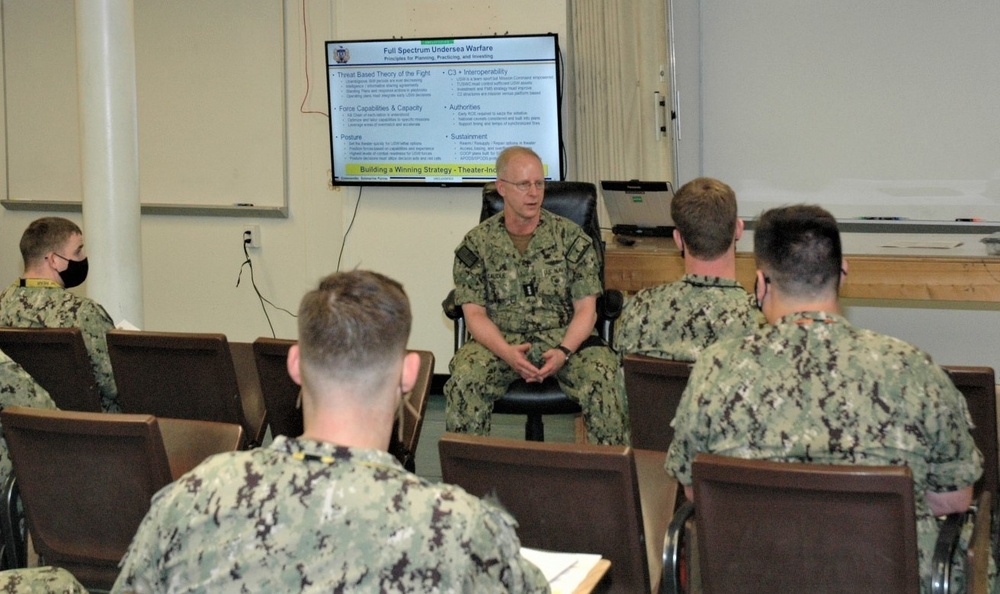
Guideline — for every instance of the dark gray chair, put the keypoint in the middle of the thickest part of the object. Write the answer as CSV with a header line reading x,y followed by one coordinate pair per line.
x,y
576,201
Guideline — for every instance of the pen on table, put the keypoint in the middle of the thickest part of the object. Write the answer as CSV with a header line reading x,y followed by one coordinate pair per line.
x,y
969,220
243,204
882,218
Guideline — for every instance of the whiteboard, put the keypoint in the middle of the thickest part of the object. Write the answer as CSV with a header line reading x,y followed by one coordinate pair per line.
x,y
210,84
871,109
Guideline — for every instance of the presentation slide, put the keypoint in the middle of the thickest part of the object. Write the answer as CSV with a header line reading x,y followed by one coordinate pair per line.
x,y
438,111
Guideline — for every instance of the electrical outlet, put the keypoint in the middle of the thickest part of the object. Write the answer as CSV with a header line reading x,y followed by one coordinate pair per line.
x,y
251,235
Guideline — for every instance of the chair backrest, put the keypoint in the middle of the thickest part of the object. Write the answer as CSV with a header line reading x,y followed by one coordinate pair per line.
x,y
787,527
654,387
576,201
58,360
281,394
414,405
86,480
577,498
177,375
978,384
251,396
187,442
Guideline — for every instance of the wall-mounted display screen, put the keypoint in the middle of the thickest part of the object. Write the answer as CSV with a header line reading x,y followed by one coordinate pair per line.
x,y
438,111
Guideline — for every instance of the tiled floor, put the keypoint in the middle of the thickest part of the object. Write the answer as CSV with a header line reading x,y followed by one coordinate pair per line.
x,y
557,428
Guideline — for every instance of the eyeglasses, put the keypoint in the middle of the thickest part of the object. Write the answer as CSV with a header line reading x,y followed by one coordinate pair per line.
x,y
526,185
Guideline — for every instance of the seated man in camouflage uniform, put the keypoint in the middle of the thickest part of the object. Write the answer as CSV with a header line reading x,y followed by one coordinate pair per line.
x,y
679,319
527,281
17,388
810,387
54,260
332,510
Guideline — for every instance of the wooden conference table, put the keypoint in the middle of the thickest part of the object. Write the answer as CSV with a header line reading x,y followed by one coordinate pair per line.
x,y
961,273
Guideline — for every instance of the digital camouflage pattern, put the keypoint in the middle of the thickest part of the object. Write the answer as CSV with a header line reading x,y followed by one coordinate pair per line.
x,y
813,388
40,580
55,307
530,299
678,320
306,516
17,388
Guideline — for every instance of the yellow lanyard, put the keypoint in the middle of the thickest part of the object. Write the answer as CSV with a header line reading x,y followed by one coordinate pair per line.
x,y
34,283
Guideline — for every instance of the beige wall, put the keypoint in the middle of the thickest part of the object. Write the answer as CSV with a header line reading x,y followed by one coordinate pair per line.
x,y
190,263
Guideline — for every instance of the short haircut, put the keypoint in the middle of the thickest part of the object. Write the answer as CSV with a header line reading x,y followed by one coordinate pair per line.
x,y
353,328
45,235
704,211
798,247
509,153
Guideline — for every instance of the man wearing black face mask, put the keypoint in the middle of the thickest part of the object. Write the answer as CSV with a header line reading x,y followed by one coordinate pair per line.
x,y
54,260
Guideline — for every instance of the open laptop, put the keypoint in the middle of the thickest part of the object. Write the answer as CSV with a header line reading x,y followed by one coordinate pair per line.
x,y
639,208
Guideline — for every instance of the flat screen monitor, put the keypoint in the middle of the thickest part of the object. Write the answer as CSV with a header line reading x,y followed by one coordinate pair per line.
x,y
438,111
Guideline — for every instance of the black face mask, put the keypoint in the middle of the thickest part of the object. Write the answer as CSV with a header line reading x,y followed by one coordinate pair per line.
x,y
75,273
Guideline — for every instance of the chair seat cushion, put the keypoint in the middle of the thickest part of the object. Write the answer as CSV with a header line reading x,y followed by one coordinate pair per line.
x,y
545,399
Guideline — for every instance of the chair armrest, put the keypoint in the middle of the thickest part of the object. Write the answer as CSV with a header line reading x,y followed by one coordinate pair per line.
x,y
610,304
673,542
451,310
978,558
944,550
455,314
15,546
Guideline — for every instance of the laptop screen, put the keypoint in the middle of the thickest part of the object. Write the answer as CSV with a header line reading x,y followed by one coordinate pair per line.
x,y
639,207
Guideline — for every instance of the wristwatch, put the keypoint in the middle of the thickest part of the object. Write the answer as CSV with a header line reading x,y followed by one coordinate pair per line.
x,y
565,351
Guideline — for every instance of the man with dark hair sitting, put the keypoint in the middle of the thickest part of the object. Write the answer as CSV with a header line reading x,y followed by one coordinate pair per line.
x,y
810,387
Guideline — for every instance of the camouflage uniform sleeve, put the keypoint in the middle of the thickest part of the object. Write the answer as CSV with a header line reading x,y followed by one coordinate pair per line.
x,y
688,433
627,326
94,325
469,272
140,571
584,269
955,462
40,580
496,552
17,388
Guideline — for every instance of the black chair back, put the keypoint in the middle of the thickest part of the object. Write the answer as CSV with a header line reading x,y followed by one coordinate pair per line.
x,y
576,201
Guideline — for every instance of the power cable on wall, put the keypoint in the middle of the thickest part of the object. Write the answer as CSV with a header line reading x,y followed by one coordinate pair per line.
x,y
264,301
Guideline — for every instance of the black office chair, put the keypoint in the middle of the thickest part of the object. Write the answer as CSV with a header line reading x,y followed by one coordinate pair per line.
x,y
576,201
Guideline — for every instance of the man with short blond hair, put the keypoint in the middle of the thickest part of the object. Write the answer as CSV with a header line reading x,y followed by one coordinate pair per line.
x,y
678,320
332,510
54,261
